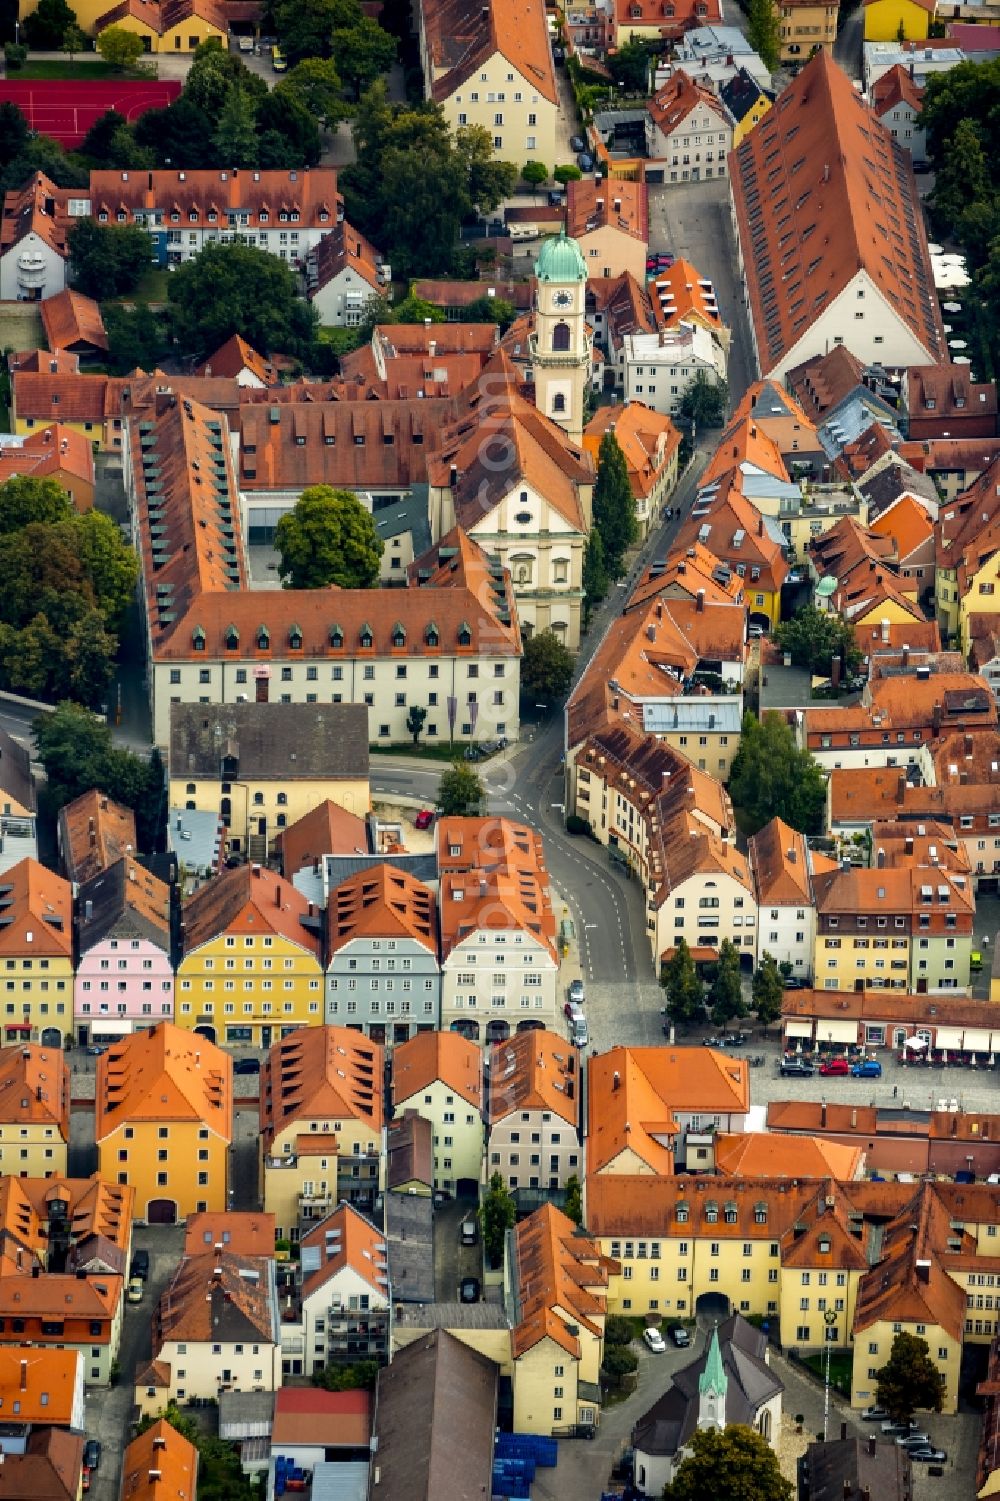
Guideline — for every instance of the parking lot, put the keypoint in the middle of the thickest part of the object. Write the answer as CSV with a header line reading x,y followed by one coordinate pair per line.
x,y
452,1260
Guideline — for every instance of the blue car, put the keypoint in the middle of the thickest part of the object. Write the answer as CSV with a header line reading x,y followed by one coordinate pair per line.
x,y
870,1069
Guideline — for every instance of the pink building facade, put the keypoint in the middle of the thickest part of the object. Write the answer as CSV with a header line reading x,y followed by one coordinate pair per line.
x,y
122,985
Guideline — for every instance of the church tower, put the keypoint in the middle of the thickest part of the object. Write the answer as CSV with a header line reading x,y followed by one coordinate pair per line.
x,y
560,342
712,1385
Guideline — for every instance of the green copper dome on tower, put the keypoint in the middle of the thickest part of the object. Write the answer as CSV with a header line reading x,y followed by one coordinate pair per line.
x,y
713,1378
561,259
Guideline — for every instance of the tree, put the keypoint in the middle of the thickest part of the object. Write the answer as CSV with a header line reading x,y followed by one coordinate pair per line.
x,y
546,666
704,402
614,504
76,751
220,1474
315,84
685,993
726,994
734,1462
235,135
770,777
460,792
13,132
489,310
570,172
962,177
107,259
73,41
363,52
237,289
328,538
136,338
629,66
764,32
768,992
489,180
180,134
415,722
496,1216
617,1330
413,309
573,1207
595,573
814,637
111,142
111,567
24,499
305,27
121,48
214,72
361,1376
43,154
909,1379
48,23
967,92
534,174
289,136
619,1361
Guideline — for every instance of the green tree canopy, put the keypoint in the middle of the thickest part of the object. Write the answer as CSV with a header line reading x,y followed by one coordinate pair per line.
x,y
685,992
764,32
909,1379
289,136
235,135
119,47
136,337
595,573
13,132
573,1208
726,993
73,41
361,1376
47,24
546,666
568,172
535,173
328,538
629,66
43,154
771,777
705,402
416,714
315,84
111,142
962,177
460,791
496,1216
24,499
107,259
363,52
220,1474
77,753
614,504
238,289
814,637
736,1462
768,991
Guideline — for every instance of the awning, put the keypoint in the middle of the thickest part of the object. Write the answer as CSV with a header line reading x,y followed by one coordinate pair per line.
x,y
948,1037
917,1044
18,1026
798,1029
977,1040
836,1031
995,1042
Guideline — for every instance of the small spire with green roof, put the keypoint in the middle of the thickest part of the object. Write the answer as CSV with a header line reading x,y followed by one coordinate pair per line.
x,y
713,1378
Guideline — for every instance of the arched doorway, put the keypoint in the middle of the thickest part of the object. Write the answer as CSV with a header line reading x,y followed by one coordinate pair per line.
x,y
711,1309
161,1212
51,1037
467,1029
205,1031
531,1026
497,1031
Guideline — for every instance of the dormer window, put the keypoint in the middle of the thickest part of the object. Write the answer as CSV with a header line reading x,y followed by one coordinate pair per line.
x,y
198,638
398,635
367,639
295,638
175,218
192,217
102,217
336,636
263,216
431,636
465,634
232,638
263,639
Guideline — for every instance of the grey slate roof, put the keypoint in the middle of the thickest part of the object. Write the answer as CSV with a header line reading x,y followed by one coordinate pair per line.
x,y
669,1423
15,772
112,915
434,1422
890,482
408,514
409,1233
286,741
847,1469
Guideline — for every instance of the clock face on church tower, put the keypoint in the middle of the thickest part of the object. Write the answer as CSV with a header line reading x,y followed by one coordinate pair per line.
x,y
562,299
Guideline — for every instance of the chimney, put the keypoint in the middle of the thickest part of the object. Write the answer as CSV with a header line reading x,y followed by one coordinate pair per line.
x,y
822,1114
880,860
453,476
826,172
277,895
923,1270
908,844
906,656
616,1080
792,856
760,526
700,606
871,1443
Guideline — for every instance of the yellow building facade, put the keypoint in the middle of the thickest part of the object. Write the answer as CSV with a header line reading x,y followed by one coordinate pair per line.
x,y
251,972
163,1122
805,27
753,117
36,956
885,18
872,1347
845,962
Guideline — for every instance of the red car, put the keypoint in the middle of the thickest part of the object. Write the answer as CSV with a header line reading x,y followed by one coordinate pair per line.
x,y
424,819
86,1478
835,1066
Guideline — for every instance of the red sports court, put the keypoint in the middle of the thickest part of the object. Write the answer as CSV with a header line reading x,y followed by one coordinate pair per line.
x,y
53,107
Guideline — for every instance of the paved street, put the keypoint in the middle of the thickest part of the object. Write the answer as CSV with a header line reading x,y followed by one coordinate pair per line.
x,y
692,220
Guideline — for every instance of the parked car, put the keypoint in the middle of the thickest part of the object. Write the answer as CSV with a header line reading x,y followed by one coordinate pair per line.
x,y
869,1068
573,1010
579,1032
556,197
140,1264
796,1068
755,632
585,162
577,143
468,1291
654,1339
917,1440
929,1455
96,1049
470,1230
442,1196
576,992
92,1453
85,1479
792,982
246,1066
891,1427
424,819
834,1066
679,1335
874,1415
245,43
136,1288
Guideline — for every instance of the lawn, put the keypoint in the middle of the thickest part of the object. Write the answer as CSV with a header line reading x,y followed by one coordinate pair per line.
x,y
151,287
81,72
428,751
841,1369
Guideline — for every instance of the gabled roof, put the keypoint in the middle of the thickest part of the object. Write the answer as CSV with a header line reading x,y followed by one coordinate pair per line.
x,y
536,1070
248,899
382,902
38,208
779,860
30,1375
219,1297
648,440
907,523
327,829
740,94
345,1239
947,392
247,1232
728,524
125,901
343,249
823,382
909,1282
233,357
321,1073
164,1074
34,1087
681,294
36,912
759,1154
560,1278
460,40
47,1469
745,445
893,87
94,832
618,204
670,106
821,191
431,1057
293,742
70,319
496,880
16,778
634,1093
160,1465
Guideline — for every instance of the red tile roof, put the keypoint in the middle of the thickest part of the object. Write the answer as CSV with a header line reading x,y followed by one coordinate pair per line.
x,y
670,106
459,44
343,249
429,1057
821,191
160,1465
895,86
616,204
248,899
164,1074
310,192
70,319
94,833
